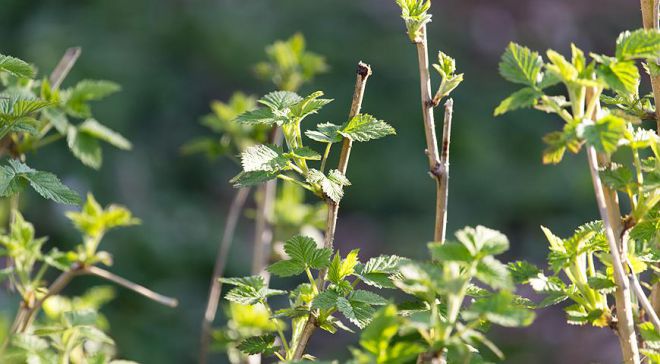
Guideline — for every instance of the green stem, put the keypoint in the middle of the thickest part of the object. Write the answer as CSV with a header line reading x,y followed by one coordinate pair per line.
x,y
280,333
293,180
311,280
325,156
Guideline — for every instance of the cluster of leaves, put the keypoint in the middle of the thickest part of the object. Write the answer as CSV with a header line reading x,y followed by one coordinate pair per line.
x,y
446,67
287,110
290,64
74,338
34,114
61,329
451,312
415,15
337,293
613,130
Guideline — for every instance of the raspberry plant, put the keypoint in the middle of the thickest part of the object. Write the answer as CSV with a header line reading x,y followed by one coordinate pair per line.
x,y
33,114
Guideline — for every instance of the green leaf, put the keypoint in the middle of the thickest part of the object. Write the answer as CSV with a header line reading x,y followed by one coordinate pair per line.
x,y
252,178
500,309
602,284
523,98
368,298
618,177
85,91
13,178
326,133
101,132
414,14
58,118
304,249
325,300
263,344
605,134
309,105
94,220
358,313
520,65
305,153
332,185
261,116
638,44
16,67
561,67
15,107
280,100
493,273
482,240
621,76
450,252
263,158
522,271
377,271
249,290
650,335
286,268
364,127
84,147
340,269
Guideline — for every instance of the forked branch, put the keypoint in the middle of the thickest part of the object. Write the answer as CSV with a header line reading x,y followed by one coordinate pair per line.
x,y
438,163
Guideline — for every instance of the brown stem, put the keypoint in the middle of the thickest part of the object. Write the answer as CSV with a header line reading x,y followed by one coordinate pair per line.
x,y
139,289
215,289
613,230
65,277
64,66
56,287
435,164
443,178
363,73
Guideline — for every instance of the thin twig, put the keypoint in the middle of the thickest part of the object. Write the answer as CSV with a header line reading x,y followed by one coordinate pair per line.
x,y
626,324
215,290
146,292
443,191
363,73
435,164
64,66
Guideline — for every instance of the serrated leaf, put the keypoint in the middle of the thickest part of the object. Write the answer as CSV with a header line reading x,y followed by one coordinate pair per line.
x,y
358,313
450,252
325,300
522,271
500,309
263,158
249,290
604,134
303,249
280,100
494,273
16,67
377,271
621,76
258,345
247,179
368,298
286,268
618,177
364,127
309,105
638,44
15,176
85,91
520,65
263,116
561,67
482,240
85,147
57,118
305,153
101,132
325,133
331,185
342,268
523,98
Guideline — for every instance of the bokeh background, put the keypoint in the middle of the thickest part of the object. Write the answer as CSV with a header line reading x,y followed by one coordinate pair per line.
x,y
173,57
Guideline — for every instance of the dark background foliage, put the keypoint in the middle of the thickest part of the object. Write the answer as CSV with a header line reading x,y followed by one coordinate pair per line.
x,y
173,56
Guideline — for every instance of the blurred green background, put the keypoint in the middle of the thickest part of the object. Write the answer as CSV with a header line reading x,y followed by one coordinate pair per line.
x,y
173,57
